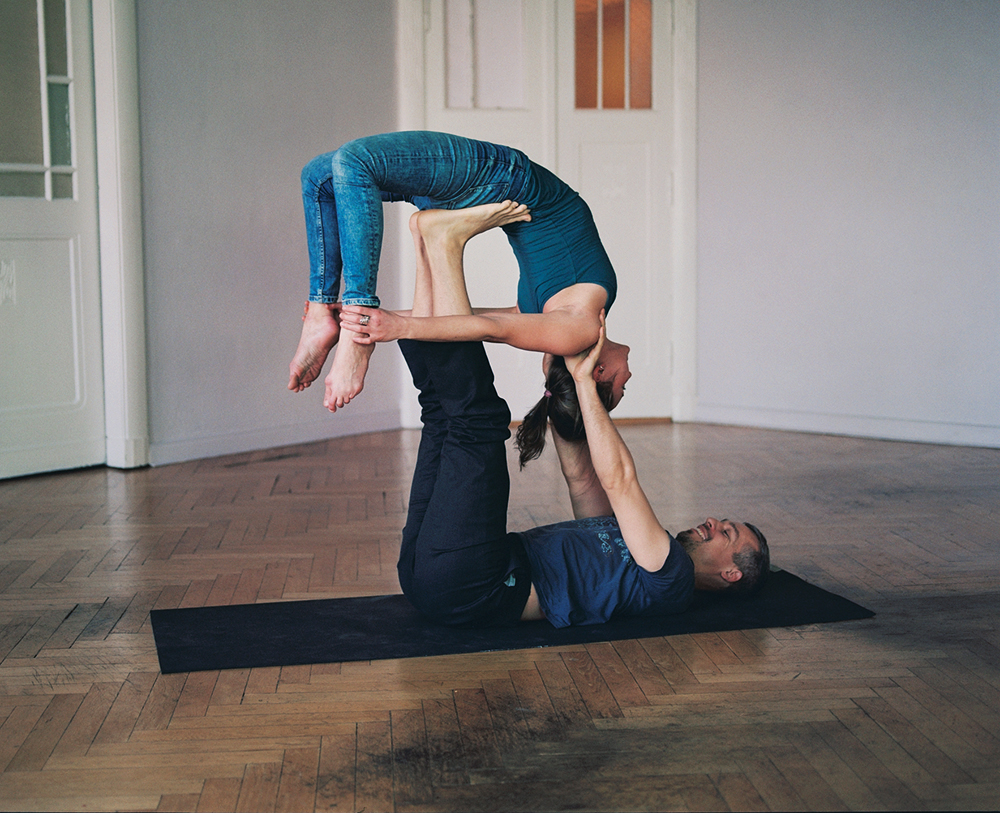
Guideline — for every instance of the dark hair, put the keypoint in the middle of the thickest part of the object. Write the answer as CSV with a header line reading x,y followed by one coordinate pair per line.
x,y
753,564
560,407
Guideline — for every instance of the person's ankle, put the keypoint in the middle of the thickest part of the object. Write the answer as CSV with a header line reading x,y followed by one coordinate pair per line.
x,y
320,310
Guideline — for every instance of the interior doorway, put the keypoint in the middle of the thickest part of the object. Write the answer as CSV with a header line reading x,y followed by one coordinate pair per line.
x,y
51,372
510,72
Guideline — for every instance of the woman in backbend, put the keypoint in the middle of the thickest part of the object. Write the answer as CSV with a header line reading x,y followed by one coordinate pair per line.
x,y
566,278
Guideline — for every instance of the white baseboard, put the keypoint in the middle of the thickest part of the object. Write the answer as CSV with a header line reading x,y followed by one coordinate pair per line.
x,y
854,425
329,426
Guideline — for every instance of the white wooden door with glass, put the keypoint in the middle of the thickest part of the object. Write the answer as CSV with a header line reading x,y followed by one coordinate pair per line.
x,y
584,88
51,379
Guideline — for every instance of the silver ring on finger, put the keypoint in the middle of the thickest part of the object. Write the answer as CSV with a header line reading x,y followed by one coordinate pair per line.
x,y
364,320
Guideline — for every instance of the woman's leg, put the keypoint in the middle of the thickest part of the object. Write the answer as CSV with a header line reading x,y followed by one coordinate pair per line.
x,y
320,328
338,197
343,193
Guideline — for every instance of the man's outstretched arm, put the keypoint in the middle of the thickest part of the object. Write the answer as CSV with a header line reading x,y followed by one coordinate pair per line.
x,y
612,462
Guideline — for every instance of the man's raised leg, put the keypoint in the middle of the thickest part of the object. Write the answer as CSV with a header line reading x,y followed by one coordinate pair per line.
x,y
457,564
423,292
440,236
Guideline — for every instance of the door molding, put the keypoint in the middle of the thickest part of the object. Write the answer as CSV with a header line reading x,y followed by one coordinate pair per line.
x,y
123,307
411,27
412,22
684,246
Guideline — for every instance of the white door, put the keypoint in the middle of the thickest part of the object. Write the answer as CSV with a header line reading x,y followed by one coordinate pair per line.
x,y
51,379
615,149
505,71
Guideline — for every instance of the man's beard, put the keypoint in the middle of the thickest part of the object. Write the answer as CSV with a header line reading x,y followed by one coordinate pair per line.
x,y
690,540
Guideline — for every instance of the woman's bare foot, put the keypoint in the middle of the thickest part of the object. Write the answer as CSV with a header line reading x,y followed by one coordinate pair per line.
x,y
455,227
347,375
320,331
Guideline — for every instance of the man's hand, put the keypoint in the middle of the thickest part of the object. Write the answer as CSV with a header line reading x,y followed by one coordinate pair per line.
x,y
370,325
582,365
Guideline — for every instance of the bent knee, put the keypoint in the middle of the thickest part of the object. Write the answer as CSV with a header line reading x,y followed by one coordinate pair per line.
x,y
317,171
351,160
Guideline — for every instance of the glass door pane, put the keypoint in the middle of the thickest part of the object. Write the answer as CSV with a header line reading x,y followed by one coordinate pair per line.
x,y
36,128
21,120
614,54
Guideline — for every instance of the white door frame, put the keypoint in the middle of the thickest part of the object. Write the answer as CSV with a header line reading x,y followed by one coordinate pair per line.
x,y
684,370
123,315
411,24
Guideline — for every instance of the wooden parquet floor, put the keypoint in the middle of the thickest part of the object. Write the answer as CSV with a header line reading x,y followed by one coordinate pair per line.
x,y
900,712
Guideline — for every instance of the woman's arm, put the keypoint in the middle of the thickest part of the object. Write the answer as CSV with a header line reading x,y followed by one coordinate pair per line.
x,y
560,332
586,494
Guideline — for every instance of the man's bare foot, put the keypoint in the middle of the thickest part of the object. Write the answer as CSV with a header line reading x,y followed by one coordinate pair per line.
x,y
320,331
347,375
456,227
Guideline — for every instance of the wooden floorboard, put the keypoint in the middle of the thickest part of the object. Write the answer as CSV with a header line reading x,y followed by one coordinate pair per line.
x,y
899,712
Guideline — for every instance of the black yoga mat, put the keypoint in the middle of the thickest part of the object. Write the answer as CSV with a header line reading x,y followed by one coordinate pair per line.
x,y
287,633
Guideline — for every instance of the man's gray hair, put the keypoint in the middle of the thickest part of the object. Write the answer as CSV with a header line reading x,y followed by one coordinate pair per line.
x,y
753,564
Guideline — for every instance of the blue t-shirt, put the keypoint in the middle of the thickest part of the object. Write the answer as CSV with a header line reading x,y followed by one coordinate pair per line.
x,y
584,574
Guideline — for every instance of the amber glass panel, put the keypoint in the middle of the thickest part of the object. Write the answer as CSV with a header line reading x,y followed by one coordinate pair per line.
x,y
613,56
20,90
640,54
586,54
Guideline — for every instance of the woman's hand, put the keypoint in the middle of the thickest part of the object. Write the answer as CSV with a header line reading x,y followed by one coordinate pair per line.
x,y
582,365
370,325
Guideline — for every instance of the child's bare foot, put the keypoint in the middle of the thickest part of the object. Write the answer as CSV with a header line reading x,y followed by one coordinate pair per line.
x,y
320,331
458,226
347,375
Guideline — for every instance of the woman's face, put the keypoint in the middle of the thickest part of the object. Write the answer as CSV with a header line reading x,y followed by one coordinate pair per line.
x,y
612,367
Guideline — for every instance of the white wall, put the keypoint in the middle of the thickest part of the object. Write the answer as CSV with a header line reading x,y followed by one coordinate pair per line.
x,y
849,217
235,97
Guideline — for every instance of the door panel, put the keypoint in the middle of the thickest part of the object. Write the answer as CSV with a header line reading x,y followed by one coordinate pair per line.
x,y
617,159
51,377
491,270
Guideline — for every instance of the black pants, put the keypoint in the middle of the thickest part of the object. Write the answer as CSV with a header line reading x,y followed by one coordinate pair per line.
x,y
457,564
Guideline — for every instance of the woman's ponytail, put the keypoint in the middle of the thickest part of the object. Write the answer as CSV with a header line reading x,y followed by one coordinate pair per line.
x,y
560,407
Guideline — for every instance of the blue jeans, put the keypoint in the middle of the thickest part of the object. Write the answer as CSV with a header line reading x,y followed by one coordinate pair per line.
x,y
343,191
457,563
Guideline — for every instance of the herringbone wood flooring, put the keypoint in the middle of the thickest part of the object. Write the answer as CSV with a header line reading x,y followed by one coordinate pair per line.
x,y
900,712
